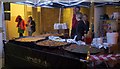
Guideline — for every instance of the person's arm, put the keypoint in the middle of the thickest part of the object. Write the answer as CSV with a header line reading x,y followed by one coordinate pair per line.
x,y
24,24
33,23
79,31
80,27
33,26
88,25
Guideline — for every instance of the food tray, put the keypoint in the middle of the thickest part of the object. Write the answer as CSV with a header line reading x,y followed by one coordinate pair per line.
x,y
50,43
29,39
81,49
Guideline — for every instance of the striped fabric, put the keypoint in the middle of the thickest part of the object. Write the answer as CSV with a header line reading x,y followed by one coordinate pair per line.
x,y
113,57
64,3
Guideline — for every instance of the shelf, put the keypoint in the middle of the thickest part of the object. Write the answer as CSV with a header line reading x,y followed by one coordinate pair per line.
x,y
108,25
110,20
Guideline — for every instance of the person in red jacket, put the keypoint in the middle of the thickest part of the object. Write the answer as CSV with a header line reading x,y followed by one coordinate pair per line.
x,y
74,21
21,25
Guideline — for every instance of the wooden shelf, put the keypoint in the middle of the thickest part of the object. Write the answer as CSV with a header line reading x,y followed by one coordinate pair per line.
x,y
111,20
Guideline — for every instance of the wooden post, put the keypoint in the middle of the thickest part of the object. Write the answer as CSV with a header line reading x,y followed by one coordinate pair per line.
x,y
91,16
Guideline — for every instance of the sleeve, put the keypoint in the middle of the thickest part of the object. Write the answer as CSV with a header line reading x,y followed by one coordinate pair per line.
x,y
33,27
80,27
88,25
24,24
79,31
33,23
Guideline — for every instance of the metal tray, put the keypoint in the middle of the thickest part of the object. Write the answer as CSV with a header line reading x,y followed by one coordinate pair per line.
x,y
52,46
29,39
81,49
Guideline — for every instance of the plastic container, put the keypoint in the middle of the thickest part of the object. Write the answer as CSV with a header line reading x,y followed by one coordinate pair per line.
x,y
112,38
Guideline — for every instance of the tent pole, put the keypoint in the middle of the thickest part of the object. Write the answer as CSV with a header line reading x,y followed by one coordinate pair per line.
x,y
60,14
91,16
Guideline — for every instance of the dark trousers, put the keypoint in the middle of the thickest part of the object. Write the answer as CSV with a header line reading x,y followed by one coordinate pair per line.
x,y
20,34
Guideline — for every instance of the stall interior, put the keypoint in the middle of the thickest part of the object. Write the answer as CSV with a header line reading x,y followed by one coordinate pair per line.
x,y
44,18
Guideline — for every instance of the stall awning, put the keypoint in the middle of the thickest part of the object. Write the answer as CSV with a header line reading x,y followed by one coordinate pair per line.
x,y
65,3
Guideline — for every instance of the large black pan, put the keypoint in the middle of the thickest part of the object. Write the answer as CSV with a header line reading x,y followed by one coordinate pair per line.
x,y
27,40
51,44
81,50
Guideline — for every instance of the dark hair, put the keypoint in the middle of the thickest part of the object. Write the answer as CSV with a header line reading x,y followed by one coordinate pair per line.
x,y
20,18
77,7
85,15
30,18
80,17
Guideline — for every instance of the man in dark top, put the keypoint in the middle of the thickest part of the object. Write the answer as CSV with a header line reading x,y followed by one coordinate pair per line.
x,y
81,28
74,21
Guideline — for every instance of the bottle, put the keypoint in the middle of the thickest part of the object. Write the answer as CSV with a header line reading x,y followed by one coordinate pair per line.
x,y
88,38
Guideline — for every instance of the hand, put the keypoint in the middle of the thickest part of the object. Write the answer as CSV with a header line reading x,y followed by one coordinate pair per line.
x,y
83,37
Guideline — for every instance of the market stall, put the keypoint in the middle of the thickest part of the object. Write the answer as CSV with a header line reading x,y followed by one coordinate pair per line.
x,y
49,55
53,52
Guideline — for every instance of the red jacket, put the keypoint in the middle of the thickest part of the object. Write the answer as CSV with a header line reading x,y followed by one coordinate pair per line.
x,y
22,25
74,21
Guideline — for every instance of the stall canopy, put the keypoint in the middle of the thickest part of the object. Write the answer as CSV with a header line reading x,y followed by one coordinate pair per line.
x,y
50,3
65,3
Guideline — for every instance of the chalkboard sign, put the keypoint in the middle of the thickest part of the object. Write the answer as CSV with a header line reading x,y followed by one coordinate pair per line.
x,y
6,6
7,15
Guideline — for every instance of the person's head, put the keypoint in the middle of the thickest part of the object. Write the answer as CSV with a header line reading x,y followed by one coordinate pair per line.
x,y
85,17
76,9
30,18
78,16
18,18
